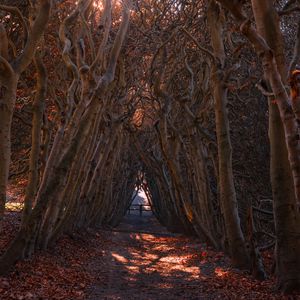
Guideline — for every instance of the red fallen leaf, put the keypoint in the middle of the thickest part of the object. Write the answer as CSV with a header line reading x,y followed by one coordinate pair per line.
x,y
5,283
219,255
204,253
29,295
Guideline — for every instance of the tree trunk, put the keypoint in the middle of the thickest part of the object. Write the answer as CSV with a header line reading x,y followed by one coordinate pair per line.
x,y
37,121
236,241
7,102
287,217
8,87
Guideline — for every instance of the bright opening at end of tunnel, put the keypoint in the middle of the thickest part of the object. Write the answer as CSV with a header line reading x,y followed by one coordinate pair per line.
x,y
140,204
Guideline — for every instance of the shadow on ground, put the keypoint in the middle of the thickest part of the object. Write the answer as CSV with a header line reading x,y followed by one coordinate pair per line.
x,y
143,261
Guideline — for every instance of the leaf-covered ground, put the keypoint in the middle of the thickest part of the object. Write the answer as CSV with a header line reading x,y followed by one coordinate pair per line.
x,y
138,260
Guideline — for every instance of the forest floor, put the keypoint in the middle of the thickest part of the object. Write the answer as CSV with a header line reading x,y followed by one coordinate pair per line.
x,y
136,260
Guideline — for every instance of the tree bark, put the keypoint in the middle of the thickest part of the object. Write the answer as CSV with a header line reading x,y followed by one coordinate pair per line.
x,y
229,205
286,214
37,122
8,87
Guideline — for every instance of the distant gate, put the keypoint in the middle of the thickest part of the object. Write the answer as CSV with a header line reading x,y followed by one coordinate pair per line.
x,y
139,208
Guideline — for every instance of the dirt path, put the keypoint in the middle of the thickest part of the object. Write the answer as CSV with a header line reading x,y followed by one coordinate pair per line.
x,y
141,260
154,265
137,260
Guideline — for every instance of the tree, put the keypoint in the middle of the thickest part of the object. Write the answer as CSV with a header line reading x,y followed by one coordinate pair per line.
x,y
11,70
176,100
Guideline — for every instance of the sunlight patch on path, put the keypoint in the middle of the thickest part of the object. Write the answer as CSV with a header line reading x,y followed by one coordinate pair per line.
x,y
146,266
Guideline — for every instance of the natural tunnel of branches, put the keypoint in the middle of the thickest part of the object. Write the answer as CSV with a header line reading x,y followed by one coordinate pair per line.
x,y
197,102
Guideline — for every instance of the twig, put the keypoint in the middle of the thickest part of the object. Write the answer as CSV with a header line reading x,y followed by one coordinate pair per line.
x,y
264,211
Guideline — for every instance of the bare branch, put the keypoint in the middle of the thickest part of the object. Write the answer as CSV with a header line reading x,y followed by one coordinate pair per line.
x,y
206,51
14,10
115,51
8,76
107,26
296,55
264,211
289,11
264,91
34,36
4,42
